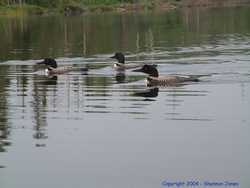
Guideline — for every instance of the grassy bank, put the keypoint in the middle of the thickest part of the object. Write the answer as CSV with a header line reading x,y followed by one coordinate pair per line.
x,y
15,10
69,7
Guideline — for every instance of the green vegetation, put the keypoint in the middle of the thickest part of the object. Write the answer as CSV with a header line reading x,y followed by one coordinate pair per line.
x,y
56,3
12,10
72,6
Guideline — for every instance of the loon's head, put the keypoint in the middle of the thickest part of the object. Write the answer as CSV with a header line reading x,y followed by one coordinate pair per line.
x,y
148,69
119,56
49,62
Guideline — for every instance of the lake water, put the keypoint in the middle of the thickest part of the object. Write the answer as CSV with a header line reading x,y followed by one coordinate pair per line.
x,y
107,129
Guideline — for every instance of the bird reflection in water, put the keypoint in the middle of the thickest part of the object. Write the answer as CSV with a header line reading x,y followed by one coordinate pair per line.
x,y
148,93
44,85
50,80
120,77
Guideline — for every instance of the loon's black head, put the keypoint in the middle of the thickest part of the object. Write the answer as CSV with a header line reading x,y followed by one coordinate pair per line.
x,y
49,62
148,69
119,56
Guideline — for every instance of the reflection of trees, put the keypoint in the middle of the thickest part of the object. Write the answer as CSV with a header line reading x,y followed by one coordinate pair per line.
x,y
60,36
84,42
98,81
4,130
40,104
37,37
204,21
149,40
66,43
22,82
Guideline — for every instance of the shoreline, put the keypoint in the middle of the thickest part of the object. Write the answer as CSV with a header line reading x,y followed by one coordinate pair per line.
x,y
154,6
78,9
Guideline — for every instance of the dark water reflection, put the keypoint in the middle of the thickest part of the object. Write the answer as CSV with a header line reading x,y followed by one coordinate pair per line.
x,y
108,125
36,37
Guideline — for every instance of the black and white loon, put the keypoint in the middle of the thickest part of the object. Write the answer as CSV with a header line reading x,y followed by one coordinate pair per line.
x,y
120,65
53,69
155,80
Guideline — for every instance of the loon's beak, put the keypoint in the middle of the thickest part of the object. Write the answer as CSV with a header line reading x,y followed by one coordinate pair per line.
x,y
40,63
137,70
113,57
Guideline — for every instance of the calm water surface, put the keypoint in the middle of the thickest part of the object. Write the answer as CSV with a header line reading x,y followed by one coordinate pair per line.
x,y
107,129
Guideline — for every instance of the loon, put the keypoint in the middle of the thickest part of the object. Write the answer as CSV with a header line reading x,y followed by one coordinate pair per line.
x,y
52,68
121,66
155,80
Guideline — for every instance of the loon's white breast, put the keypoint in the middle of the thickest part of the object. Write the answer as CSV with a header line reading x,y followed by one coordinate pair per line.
x,y
46,71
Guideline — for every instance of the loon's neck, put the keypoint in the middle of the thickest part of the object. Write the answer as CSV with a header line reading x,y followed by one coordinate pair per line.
x,y
122,61
154,74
